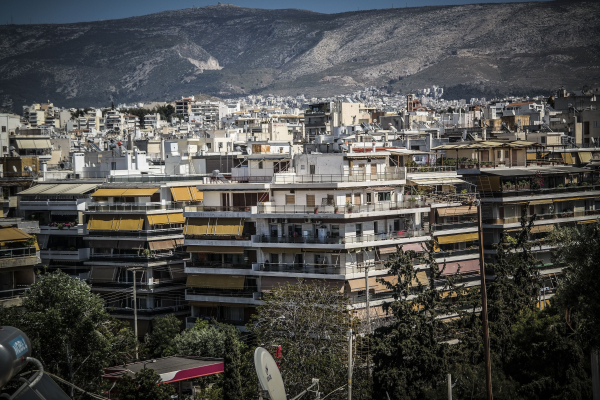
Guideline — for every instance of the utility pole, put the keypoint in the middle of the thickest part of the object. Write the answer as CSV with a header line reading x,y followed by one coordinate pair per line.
x,y
449,386
486,332
350,364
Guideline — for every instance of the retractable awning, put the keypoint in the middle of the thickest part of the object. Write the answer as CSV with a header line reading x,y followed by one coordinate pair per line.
x,y
215,249
158,219
129,224
464,237
162,244
216,281
124,192
176,218
435,181
30,144
451,211
102,274
101,223
585,156
186,193
466,266
214,226
13,235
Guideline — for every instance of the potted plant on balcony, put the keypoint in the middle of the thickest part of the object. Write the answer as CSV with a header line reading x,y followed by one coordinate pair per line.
x,y
336,210
412,201
349,207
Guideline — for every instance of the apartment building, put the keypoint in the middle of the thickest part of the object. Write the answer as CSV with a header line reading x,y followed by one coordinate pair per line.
x,y
19,254
322,217
135,233
317,121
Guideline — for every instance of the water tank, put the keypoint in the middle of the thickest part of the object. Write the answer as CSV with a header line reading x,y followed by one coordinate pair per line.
x,y
15,347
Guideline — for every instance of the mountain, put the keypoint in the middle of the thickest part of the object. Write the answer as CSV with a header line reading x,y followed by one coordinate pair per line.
x,y
225,50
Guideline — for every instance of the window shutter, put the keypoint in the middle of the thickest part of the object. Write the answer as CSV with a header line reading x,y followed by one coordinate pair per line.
x,y
356,199
290,199
310,199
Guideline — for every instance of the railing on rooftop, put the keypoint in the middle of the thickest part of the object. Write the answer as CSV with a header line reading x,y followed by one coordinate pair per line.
x,y
400,174
110,207
218,265
383,206
217,209
322,269
444,168
524,190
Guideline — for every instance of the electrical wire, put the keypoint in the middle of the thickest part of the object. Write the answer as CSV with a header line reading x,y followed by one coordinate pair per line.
x,y
333,391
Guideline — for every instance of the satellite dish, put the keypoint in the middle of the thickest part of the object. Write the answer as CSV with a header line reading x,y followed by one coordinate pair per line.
x,y
268,373
14,168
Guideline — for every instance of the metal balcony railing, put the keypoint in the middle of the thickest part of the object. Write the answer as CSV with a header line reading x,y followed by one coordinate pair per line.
x,y
456,225
118,207
217,209
246,292
324,269
400,174
545,217
423,169
219,265
18,252
331,209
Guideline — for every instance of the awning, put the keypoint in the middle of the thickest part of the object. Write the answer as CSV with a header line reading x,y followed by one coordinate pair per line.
x,y
532,156
536,202
589,221
414,246
585,156
158,219
100,223
131,244
451,211
215,249
36,189
181,193
541,228
216,281
379,189
420,278
176,218
102,274
388,249
129,224
567,158
198,226
139,192
464,237
467,266
357,285
162,244
268,283
575,198
65,189
228,226
121,192
435,181
33,143
13,235
109,192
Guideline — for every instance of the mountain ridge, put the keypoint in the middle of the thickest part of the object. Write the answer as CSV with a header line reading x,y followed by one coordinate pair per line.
x,y
227,51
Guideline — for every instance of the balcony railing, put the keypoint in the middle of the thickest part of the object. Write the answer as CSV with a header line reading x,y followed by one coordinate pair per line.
x,y
118,207
140,234
423,169
331,209
18,252
245,293
219,265
386,236
455,253
526,190
217,209
456,225
543,217
304,268
354,177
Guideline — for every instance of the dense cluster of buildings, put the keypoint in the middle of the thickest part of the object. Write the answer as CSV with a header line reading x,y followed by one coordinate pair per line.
x,y
203,213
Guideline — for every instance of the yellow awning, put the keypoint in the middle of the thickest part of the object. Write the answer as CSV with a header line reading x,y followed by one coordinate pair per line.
x,y
102,223
585,156
13,235
139,192
158,219
567,158
181,193
108,192
129,224
420,278
228,226
576,198
589,221
176,218
451,211
196,194
535,202
531,156
198,226
215,249
216,281
541,228
463,237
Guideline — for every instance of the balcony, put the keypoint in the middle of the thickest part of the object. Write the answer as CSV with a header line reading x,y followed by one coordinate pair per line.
x,y
545,217
426,169
244,296
526,190
218,265
331,209
67,231
321,269
178,232
283,178
131,207
52,205
310,239
72,255
456,225
19,257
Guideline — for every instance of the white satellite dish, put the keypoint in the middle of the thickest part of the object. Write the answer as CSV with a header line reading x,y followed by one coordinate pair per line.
x,y
268,373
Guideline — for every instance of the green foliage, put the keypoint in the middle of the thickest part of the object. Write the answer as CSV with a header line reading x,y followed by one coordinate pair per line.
x,y
71,333
310,323
410,358
144,387
204,340
232,382
160,341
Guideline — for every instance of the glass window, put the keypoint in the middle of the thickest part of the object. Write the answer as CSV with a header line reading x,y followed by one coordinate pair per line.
x,y
335,230
359,230
273,230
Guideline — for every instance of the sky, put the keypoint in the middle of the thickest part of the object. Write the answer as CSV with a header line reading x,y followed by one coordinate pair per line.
x,y
66,11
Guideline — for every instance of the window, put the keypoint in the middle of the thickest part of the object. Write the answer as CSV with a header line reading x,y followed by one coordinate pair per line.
x,y
357,199
335,230
208,145
3,129
384,196
506,154
274,230
303,167
312,169
375,227
360,257
275,258
596,125
369,196
359,230
499,154
543,139
113,165
260,165
290,199
310,199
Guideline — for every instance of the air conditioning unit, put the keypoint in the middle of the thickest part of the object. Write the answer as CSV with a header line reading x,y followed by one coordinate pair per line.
x,y
316,222
274,220
285,221
307,220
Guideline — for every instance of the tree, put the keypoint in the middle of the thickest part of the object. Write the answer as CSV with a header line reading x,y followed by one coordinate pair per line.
x,y
71,333
145,386
410,357
232,383
310,323
577,297
164,330
203,340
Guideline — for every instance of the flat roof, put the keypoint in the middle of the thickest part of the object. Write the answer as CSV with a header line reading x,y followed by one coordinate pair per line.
x,y
170,369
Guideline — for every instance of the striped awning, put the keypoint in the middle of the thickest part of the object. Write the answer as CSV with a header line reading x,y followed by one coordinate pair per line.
x,y
216,281
464,237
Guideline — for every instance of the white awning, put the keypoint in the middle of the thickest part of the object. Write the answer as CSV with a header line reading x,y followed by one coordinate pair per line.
x,y
436,181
